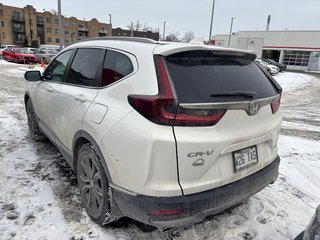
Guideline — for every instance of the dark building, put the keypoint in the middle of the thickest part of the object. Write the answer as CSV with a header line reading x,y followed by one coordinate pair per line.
x,y
129,33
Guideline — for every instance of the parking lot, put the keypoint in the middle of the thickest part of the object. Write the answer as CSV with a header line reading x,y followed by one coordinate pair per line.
x,y
40,199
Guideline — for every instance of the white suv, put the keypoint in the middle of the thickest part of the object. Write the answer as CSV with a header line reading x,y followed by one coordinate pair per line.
x,y
163,133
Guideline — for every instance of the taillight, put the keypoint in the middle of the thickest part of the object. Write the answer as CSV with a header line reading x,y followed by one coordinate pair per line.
x,y
163,108
276,105
197,117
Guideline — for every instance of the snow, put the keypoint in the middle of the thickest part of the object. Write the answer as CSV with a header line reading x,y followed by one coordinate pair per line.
x,y
290,80
39,198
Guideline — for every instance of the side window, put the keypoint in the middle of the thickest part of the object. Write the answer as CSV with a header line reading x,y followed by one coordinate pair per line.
x,y
115,67
56,69
84,68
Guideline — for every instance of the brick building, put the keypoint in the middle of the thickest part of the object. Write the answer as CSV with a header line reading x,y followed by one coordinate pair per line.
x,y
27,27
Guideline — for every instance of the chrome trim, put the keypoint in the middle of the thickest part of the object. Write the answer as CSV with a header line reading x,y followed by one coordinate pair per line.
x,y
251,107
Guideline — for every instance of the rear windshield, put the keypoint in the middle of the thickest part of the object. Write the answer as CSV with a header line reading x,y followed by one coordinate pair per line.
x,y
206,76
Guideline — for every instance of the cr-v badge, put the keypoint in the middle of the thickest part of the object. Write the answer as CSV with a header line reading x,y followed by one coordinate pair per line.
x,y
200,161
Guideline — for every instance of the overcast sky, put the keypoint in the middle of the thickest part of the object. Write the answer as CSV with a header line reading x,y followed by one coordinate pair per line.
x,y
194,15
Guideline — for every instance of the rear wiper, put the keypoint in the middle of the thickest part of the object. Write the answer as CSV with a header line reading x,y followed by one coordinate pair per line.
x,y
245,94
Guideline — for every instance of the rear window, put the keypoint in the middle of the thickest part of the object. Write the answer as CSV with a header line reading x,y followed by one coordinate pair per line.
x,y
204,76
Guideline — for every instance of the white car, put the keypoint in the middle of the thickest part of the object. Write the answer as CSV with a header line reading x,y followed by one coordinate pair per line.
x,y
163,133
273,69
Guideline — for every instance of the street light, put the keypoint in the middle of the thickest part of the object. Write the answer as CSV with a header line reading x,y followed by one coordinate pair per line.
x,y
109,14
164,30
211,22
230,31
61,42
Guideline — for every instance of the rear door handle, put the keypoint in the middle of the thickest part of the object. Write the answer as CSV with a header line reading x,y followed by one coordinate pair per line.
x,y
80,98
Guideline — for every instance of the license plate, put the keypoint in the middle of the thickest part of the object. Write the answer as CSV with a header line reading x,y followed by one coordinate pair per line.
x,y
245,158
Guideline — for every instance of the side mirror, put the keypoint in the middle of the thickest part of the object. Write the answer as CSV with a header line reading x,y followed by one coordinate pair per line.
x,y
32,76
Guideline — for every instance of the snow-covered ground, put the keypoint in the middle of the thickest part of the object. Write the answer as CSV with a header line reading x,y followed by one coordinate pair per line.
x,y
39,198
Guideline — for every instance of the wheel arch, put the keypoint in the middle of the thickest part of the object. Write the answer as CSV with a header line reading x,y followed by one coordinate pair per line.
x,y
26,99
83,137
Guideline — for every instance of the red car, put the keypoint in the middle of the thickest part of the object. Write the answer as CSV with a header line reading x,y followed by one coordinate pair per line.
x,y
18,55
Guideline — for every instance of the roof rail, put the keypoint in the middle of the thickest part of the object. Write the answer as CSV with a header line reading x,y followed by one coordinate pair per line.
x,y
129,39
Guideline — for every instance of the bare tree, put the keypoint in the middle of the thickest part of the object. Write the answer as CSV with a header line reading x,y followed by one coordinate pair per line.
x,y
134,26
188,36
173,37
138,25
146,27
130,26
54,12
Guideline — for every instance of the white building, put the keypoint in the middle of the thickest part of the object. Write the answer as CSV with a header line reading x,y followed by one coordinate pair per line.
x,y
299,50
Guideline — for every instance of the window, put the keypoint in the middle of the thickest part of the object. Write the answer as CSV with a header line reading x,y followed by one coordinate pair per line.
x,y
57,40
66,24
3,35
48,20
48,30
49,40
40,29
203,76
66,32
1,12
16,16
56,69
2,23
296,58
39,20
85,66
17,37
116,66
56,31
18,27
56,21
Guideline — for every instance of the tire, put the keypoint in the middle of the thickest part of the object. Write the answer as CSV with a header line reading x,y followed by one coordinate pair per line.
x,y
34,130
93,185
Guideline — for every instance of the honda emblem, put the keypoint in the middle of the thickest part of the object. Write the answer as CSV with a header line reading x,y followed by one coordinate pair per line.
x,y
254,108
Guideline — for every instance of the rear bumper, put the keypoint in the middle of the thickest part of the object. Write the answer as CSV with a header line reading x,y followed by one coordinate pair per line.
x,y
195,207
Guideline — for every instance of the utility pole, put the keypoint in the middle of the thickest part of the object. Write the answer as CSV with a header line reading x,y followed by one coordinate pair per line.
x,y
268,22
164,31
31,32
230,31
60,25
110,23
211,22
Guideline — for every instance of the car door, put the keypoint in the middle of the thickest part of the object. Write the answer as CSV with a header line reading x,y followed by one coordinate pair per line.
x,y
52,78
8,54
72,98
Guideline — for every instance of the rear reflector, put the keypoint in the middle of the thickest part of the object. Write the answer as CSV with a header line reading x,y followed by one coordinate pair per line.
x,y
166,212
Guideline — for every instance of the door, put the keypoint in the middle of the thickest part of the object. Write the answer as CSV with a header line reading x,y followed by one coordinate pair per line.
x,y
72,98
52,78
314,62
225,126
